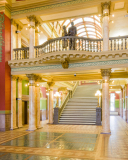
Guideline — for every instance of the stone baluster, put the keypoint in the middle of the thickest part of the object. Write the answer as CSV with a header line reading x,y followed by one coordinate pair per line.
x,y
51,84
32,20
106,12
19,102
32,105
105,101
13,102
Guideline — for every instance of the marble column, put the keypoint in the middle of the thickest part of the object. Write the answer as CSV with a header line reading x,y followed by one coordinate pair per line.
x,y
19,102
50,117
106,12
32,106
105,101
32,20
121,102
13,102
13,40
37,100
18,36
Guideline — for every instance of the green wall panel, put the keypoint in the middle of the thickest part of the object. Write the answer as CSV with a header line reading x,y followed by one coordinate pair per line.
x,y
43,104
116,103
25,90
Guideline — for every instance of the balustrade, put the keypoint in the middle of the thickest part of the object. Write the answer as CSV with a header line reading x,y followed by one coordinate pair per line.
x,y
72,43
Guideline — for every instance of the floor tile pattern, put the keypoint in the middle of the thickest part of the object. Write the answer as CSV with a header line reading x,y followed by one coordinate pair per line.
x,y
68,141
53,142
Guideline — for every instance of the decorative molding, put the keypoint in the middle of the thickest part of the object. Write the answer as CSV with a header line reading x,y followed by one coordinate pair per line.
x,y
5,112
106,72
65,63
73,65
2,41
62,4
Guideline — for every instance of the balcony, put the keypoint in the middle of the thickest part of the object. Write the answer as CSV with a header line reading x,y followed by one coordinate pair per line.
x,y
67,50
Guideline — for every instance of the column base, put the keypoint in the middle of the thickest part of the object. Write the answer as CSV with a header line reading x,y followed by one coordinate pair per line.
x,y
31,129
20,127
14,128
105,133
39,127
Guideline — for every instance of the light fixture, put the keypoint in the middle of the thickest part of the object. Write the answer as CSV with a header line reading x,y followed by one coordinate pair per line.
x,y
26,29
47,94
117,92
28,25
26,85
113,15
112,81
98,94
112,21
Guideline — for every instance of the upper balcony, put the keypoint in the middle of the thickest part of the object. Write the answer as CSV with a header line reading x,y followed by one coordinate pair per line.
x,y
73,48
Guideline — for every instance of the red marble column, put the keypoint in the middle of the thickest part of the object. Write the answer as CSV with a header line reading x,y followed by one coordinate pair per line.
x,y
5,72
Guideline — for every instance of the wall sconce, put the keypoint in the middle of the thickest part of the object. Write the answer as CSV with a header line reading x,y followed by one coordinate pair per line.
x,y
98,94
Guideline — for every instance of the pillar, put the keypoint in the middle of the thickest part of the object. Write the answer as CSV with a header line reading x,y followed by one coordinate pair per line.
x,y
121,102
50,116
13,102
106,12
32,20
37,101
19,102
32,105
105,101
18,36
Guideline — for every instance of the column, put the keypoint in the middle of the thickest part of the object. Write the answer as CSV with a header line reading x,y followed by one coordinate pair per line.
x,y
37,24
37,91
51,84
106,12
105,101
18,36
13,102
32,106
121,103
19,102
32,20
13,40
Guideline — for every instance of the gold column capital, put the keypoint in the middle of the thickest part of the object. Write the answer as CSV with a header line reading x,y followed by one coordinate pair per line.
x,y
106,72
31,76
31,18
20,79
105,5
51,84
13,78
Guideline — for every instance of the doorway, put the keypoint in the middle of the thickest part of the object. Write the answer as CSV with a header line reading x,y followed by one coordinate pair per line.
x,y
112,101
25,112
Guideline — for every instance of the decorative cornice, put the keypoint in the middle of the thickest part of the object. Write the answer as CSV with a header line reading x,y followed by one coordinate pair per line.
x,y
72,65
62,89
106,72
62,4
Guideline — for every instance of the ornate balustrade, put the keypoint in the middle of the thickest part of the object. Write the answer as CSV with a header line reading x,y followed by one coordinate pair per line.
x,y
72,43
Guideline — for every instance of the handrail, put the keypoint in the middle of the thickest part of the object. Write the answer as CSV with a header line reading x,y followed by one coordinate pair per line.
x,y
72,43
66,99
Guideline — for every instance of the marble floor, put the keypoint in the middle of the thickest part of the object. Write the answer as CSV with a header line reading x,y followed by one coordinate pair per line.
x,y
66,142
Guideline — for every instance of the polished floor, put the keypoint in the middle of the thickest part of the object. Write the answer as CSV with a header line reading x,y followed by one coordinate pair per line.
x,y
66,142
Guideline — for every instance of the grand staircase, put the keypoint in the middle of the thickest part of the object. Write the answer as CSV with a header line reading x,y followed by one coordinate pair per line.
x,y
81,109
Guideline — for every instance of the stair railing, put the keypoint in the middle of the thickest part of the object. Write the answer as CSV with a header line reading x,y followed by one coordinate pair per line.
x,y
58,111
